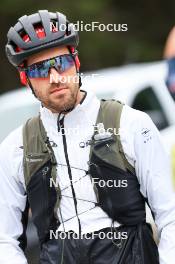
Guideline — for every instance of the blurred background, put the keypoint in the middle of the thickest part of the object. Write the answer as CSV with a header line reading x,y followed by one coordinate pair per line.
x,y
132,66
148,25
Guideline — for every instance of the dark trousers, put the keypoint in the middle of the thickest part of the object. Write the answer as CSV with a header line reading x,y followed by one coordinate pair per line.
x,y
124,245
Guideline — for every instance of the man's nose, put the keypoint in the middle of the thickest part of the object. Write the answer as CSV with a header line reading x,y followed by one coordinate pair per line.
x,y
54,75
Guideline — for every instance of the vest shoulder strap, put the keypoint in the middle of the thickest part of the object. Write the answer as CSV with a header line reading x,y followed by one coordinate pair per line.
x,y
110,114
37,150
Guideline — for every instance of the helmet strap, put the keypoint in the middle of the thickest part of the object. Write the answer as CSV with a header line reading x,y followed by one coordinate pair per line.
x,y
30,85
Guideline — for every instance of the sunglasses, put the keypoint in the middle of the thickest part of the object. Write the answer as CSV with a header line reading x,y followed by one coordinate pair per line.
x,y
41,69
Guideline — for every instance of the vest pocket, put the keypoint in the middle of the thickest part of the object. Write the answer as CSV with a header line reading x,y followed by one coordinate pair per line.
x,y
122,202
42,199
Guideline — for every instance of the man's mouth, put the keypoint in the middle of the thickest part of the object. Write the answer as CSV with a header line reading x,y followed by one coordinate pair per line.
x,y
57,89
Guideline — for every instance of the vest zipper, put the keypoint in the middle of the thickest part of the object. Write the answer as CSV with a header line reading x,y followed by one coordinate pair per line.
x,y
61,122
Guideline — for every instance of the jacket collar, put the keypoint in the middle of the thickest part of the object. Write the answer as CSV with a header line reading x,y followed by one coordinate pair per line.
x,y
85,111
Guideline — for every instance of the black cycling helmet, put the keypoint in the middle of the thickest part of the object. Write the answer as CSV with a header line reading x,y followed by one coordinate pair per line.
x,y
17,49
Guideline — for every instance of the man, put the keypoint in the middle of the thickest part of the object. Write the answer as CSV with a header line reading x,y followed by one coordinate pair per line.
x,y
98,202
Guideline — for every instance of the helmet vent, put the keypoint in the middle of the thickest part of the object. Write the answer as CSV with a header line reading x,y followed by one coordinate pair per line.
x,y
24,36
39,29
68,32
54,27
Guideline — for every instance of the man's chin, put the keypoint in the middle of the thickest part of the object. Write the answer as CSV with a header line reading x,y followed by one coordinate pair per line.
x,y
62,105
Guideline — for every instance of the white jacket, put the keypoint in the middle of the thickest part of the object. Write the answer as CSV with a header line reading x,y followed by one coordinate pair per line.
x,y
145,152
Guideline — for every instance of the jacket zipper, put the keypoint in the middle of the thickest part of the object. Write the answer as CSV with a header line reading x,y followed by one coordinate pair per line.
x,y
69,170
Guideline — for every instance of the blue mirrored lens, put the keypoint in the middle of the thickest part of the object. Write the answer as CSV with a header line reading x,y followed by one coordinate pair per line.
x,y
41,70
38,70
63,63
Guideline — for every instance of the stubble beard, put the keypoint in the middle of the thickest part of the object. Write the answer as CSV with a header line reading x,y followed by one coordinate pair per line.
x,y
63,102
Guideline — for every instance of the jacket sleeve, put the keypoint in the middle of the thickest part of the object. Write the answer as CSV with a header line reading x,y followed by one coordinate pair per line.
x,y
153,170
12,201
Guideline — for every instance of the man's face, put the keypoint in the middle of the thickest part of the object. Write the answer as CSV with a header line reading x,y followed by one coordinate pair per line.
x,y
57,92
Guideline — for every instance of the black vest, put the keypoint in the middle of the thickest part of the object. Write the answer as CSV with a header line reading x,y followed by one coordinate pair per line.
x,y
122,200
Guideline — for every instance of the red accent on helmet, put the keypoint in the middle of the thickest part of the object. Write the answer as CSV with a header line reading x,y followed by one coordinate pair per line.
x,y
41,34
